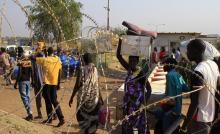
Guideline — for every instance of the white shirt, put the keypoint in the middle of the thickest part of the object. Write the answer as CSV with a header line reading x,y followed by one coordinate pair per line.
x,y
206,102
178,56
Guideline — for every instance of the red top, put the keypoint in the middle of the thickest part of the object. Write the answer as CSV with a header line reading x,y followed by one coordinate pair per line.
x,y
162,55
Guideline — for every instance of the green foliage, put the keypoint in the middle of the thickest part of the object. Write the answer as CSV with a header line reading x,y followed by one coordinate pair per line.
x,y
44,25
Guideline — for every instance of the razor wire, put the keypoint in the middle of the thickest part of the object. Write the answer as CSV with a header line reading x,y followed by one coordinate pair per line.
x,y
168,98
103,74
64,40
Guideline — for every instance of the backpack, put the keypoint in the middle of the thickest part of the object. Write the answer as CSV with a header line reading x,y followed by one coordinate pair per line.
x,y
88,95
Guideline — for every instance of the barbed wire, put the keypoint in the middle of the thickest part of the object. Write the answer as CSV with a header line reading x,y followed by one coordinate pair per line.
x,y
52,14
106,86
168,98
68,11
150,105
12,112
10,26
173,65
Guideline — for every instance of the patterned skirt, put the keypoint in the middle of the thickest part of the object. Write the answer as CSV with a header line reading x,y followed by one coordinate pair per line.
x,y
88,121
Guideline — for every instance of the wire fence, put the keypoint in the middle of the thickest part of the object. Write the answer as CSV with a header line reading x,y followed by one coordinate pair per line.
x,y
106,58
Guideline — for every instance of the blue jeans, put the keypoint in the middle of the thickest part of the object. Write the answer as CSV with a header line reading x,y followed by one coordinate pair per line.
x,y
24,90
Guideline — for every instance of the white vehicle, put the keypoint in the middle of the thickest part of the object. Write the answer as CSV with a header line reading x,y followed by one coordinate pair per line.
x,y
27,49
10,48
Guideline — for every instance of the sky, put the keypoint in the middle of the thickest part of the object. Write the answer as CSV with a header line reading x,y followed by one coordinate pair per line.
x,y
158,15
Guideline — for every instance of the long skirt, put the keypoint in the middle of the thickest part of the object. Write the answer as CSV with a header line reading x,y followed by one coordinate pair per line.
x,y
88,121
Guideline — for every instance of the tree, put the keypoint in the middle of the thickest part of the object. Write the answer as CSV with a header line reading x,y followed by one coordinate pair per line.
x,y
45,26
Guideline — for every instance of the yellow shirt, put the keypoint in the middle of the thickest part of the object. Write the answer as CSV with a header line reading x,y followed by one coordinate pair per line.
x,y
51,66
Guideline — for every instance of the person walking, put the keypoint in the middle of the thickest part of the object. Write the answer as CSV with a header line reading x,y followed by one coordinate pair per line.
x,y
89,99
37,74
23,82
51,66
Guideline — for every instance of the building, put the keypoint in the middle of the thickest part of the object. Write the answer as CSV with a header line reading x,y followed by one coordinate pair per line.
x,y
20,41
172,40
214,39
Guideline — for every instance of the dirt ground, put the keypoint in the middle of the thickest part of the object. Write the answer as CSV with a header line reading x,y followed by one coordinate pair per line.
x,y
12,123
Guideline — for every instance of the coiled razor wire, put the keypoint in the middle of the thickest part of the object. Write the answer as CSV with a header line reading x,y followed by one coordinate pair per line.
x,y
142,108
52,14
168,98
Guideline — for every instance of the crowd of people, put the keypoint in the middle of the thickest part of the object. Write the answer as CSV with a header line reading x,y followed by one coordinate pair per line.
x,y
42,71
203,111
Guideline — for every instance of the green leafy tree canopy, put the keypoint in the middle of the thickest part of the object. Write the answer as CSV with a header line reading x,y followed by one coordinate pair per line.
x,y
44,25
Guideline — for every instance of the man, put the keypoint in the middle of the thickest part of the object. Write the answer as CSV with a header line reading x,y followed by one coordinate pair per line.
x,y
201,111
51,69
5,61
23,81
37,73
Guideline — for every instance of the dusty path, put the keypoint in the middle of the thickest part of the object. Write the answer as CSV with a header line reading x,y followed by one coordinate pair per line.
x,y
10,101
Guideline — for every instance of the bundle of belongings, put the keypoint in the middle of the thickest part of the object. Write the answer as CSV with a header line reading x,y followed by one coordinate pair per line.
x,y
24,62
137,42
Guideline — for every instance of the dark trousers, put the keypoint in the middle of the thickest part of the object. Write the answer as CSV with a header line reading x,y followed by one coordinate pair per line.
x,y
198,128
50,97
38,94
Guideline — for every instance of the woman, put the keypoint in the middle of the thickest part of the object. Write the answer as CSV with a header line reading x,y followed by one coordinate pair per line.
x,y
134,94
89,99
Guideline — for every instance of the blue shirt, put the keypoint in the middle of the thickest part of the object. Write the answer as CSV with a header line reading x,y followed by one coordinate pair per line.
x,y
175,85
